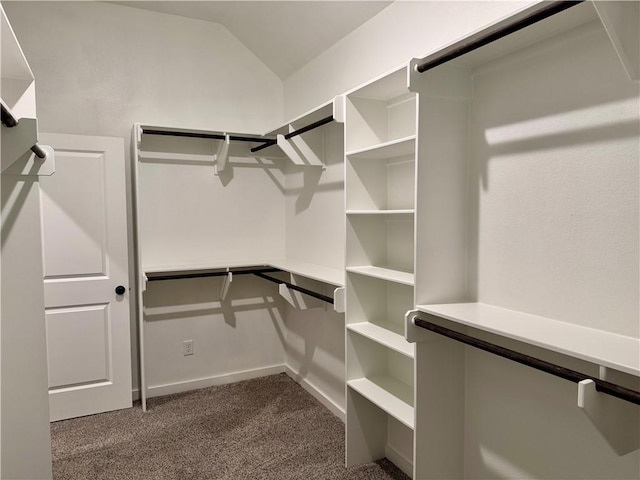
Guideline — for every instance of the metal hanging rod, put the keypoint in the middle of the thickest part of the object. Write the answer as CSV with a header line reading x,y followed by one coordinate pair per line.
x,y
263,146
311,293
602,386
215,136
311,126
10,121
300,131
545,12
179,276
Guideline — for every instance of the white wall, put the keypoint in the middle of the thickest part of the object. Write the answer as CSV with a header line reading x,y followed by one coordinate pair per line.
x,y
404,30
101,67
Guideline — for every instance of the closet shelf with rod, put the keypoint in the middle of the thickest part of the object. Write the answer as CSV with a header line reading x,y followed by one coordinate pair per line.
x,y
613,409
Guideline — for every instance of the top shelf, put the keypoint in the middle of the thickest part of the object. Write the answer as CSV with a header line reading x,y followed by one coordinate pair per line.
x,y
597,346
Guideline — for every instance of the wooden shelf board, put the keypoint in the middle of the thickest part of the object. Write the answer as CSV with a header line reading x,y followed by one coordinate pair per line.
x,y
408,211
388,394
383,336
391,149
382,273
600,347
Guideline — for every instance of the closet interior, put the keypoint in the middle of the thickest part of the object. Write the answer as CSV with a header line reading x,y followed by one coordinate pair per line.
x,y
487,191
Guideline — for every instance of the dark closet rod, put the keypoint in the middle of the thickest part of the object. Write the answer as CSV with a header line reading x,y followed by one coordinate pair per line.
x,y
602,386
311,126
311,293
300,131
547,11
215,136
10,121
179,276
263,146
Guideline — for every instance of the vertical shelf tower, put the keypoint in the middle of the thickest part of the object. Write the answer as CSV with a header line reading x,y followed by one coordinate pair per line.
x,y
380,151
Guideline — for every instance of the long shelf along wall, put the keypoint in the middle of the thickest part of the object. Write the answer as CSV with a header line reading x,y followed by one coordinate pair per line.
x,y
380,173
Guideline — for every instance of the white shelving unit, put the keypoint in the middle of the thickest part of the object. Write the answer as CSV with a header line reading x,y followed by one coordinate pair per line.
x,y
380,138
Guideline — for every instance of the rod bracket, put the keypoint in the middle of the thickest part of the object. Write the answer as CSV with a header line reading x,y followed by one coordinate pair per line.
x,y
616,420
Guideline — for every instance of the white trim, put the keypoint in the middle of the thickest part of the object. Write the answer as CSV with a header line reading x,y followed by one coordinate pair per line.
x,y
399,460
195,384
316,393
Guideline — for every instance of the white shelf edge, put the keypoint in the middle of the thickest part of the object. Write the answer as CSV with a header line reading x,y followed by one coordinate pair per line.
x,y
408,211
386,400
189,157
597,346
381,146
391,275
384,337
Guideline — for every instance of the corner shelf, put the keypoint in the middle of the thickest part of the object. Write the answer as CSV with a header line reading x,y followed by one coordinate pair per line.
x,y
597,346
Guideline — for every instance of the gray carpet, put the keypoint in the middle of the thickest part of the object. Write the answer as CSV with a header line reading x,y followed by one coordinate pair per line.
x,y
267,428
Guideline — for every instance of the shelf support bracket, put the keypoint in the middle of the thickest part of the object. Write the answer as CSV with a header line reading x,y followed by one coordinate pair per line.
x,y
616,420
222,155
339,300
226,283
310,157
413,333
17,158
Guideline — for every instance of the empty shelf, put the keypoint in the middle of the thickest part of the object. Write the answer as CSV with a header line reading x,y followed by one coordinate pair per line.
x,y
382,273
384,337
392,149
389,394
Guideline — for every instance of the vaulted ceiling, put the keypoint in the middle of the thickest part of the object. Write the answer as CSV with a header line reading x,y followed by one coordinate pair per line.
x,y
285,35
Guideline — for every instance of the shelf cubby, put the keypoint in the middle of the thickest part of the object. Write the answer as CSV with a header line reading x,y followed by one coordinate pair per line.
x,y
382,375
384,181
385,241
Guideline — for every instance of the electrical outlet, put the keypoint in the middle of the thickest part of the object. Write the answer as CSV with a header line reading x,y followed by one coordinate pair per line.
x,y
187,347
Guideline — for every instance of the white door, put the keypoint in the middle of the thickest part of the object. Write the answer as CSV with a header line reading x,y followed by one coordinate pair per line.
x,y
84,230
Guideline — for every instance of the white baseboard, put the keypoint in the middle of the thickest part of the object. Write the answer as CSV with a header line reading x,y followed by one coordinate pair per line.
x,y
178,387
317,394
399,460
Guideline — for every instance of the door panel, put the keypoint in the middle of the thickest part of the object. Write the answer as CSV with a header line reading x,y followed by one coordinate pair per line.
x,y
84,232
88,361
71,228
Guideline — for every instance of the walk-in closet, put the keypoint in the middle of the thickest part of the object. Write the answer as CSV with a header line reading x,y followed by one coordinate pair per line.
x,y
326,240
